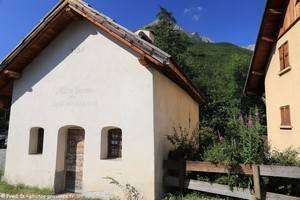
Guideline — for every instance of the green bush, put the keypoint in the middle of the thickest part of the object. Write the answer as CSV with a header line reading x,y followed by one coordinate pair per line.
x,y
244,144
288,157
251,143
191,144
192,196
225,152
183,142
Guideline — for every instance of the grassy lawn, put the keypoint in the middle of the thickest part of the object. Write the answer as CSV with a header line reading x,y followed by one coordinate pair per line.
x,y
22,189
26,190
193,196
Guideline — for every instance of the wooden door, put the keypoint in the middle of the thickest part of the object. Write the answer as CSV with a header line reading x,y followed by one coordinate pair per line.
x,y
74,160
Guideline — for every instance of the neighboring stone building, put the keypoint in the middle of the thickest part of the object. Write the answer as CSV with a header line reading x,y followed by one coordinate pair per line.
x,y
275,71
90,99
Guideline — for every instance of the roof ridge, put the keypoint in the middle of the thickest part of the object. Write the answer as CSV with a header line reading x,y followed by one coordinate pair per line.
x,y
119,26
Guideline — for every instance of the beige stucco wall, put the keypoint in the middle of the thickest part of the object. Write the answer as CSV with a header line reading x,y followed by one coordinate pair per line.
x,y
173,107
83,78
283,90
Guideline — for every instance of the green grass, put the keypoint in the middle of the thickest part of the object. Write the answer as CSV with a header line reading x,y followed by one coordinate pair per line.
x,y
193,196
22,189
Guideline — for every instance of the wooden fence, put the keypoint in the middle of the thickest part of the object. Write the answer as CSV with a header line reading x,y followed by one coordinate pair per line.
x,y
256,171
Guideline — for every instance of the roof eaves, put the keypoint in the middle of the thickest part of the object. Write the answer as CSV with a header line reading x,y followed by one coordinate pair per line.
x,y
258,42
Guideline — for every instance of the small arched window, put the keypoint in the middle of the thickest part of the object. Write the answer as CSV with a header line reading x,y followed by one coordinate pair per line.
x,y
36,140
114,142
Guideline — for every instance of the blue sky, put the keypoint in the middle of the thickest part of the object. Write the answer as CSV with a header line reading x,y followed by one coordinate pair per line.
x,y
235,21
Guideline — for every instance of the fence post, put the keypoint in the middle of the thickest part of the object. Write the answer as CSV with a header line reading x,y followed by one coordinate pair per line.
x,y
256,182
182,171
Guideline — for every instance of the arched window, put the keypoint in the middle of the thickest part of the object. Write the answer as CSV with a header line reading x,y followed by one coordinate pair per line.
x,y
114,143
111,143
36,140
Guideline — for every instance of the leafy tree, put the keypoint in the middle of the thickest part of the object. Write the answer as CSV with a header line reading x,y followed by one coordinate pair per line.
x,y
218,70
165,15
167,37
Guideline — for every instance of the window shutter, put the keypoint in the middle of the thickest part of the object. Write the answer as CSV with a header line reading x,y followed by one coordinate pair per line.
x,y
281,57
286,55
282,115
287,114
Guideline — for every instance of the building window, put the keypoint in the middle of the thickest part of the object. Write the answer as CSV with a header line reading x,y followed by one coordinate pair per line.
x,y
36,140
285,116
284,56
114,143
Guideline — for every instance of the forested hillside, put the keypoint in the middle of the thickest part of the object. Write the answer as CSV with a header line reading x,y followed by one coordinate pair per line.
x,y
218,70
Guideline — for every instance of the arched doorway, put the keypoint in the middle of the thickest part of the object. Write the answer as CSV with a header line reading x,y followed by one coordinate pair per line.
x,y
70,156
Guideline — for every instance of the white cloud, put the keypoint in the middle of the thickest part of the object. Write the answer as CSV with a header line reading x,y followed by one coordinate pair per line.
x,y
192,9
199,8
196,17
194,12
187,10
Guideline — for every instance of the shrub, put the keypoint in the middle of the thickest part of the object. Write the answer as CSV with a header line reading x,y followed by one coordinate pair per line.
x,y
183,142
192,196
190,145
251,143
288,157
130,191
205,138
225,152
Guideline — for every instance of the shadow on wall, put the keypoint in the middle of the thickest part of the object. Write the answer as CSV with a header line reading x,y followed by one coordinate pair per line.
x,y
53,55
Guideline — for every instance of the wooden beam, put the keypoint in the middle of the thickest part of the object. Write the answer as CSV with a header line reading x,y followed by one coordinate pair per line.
x,y
274,196
275,11
5,102
256,181
214,188
182,173
251,93
258,73
12,74
197,166
280,171
267,39
6,89
145,61
216,168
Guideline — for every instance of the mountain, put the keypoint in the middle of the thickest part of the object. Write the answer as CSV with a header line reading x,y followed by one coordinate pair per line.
x,y
193,35
218,70
250,47
200,38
